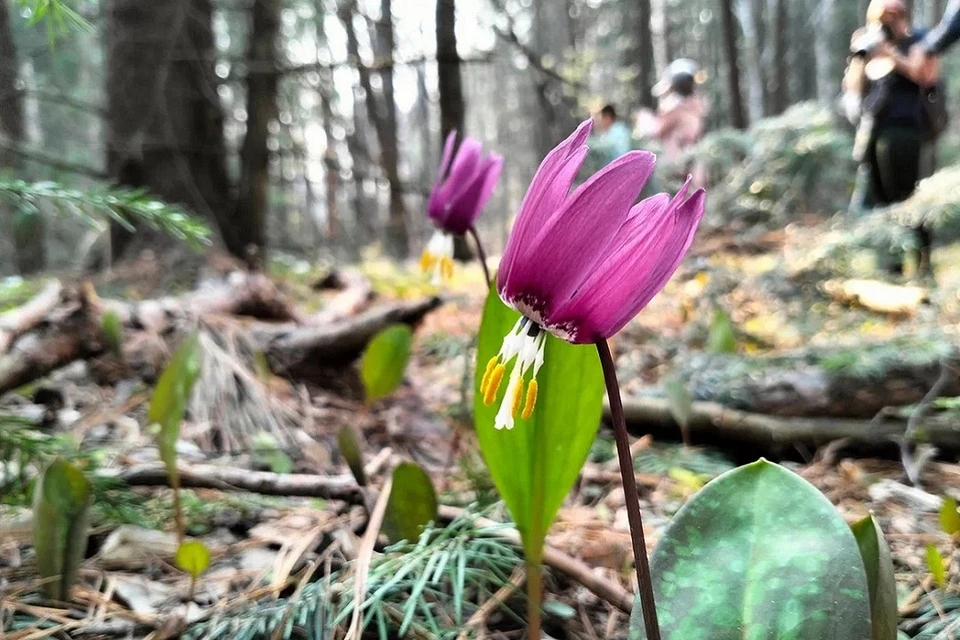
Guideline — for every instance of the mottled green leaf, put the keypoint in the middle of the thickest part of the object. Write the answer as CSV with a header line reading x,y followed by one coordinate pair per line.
x,y
758,554
385,360
535,464
937,566
412,504
722,338
881,582
61,505
112,330
169,401
193,558
350,447
950,516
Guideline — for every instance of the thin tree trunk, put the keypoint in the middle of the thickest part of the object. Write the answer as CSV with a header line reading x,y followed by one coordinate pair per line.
x,y
398,237
331,165
778,79
937,10
827,82
29,245
638,19
728,24
750,22
262,77
449,81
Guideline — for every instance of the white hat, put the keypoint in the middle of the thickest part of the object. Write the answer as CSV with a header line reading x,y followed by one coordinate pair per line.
x,y
675,70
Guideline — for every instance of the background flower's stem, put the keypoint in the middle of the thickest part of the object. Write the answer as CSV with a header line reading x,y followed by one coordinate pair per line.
x,y
481,255
645,584
534,598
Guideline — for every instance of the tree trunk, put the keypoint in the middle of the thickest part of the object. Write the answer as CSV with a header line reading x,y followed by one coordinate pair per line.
x,y
937,10
262,75
641,53
751,22
827,76
778,79
449,82
164,128
29,246
728,24
398,239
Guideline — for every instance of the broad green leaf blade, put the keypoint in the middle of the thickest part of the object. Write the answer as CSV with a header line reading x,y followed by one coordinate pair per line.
x,y
412,504
350,447
169,401
937,567
722,338
385,360
535,464
950,516
881,582
759,554
61,504
193,558
112,330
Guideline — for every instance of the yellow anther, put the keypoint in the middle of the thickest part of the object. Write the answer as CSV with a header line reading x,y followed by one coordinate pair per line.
x,y
446,268
531,400
486,374
515,402
427,260
493,384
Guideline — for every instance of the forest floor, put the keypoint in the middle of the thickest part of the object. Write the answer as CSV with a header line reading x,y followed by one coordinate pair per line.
x,y
278,560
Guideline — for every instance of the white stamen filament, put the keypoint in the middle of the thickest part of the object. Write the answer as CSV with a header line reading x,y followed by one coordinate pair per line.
x,y
529,352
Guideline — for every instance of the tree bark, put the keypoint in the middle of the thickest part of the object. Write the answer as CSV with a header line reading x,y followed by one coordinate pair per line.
x,y
449,81
164,124
751,23
728,25
779,88
826,47
249,230
29,245
641,53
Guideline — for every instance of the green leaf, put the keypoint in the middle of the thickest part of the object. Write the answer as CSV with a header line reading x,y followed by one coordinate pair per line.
x,y
169,401
385,360
412,504
680,401
112,330
61,505
535,464
759,553
722,338
937,566
881,582
950,516
193,558
350,447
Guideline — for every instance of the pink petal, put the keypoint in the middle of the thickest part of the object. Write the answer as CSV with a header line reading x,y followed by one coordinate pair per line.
x,y
549,187
466,208
549,269
637,274
465,164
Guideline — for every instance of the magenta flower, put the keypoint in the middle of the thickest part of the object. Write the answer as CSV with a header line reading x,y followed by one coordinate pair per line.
x,y
581,265
458,196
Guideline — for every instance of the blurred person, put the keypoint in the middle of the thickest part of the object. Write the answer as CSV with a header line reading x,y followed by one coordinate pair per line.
x,y
610,138
681,111
895,137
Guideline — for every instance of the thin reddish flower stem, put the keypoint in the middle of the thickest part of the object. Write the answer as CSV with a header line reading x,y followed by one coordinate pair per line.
x,y
481,255
628,478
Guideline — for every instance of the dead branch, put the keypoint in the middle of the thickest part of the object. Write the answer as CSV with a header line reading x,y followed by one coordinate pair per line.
x,y
18,321
207,476
713,422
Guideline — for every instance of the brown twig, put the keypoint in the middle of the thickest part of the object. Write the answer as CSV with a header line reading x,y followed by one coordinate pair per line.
x,y
364,555
480,616
913,467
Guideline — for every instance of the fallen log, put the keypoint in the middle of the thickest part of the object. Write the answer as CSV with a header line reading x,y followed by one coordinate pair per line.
x,y
713,423
208,476
843,382
16,322
301,351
